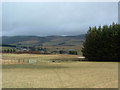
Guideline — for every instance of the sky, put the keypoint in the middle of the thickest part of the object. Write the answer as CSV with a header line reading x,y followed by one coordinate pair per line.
x,y
55,18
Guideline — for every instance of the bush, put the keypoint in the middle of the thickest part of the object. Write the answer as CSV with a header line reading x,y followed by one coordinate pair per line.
x,y
73,52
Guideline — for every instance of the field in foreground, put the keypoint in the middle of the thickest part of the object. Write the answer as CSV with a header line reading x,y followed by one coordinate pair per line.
x,y
59,74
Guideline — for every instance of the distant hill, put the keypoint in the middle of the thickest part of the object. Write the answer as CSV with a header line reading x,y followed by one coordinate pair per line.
x,y
48,40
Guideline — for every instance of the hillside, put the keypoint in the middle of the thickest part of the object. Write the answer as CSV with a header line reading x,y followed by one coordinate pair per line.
x,y
48,40
52,43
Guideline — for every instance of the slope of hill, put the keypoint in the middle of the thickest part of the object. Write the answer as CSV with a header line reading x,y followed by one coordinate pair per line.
x,y
52,43
48,40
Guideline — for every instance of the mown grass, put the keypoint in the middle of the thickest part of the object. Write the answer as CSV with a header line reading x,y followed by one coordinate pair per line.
x,y
38,57
33,66
59,74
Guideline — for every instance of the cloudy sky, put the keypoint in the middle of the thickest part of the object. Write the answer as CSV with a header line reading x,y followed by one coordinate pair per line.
x,y
55,18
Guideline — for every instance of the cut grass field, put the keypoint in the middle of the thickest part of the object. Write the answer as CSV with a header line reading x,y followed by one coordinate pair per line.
x,y
46,74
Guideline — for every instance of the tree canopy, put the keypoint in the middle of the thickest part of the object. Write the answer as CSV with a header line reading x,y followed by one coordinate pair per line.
x,y
102,43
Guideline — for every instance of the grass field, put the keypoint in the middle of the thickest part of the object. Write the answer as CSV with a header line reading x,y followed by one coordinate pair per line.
x,y
45,74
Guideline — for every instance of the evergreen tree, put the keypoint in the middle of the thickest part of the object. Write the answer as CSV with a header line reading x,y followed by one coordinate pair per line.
x,y
102,43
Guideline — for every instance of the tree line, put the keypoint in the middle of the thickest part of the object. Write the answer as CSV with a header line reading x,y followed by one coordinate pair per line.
x,y
102,43
9,51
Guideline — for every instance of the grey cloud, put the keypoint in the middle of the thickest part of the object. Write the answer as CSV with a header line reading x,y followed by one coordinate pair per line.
x,y
52,18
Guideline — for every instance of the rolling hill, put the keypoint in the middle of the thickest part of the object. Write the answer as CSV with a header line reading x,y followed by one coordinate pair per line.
x,y
48,40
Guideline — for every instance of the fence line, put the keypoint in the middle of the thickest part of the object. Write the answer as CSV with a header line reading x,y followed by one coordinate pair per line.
x,y
20,61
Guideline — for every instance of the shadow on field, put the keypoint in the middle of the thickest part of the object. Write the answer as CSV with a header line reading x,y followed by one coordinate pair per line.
x,y
32,66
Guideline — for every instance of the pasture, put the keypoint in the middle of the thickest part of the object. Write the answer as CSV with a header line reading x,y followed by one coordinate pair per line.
x,y
65,74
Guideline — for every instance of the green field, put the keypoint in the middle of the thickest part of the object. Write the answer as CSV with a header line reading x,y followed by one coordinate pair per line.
x,y
65,74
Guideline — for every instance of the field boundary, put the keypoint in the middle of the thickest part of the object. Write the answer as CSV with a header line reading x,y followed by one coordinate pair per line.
x,y
60,88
